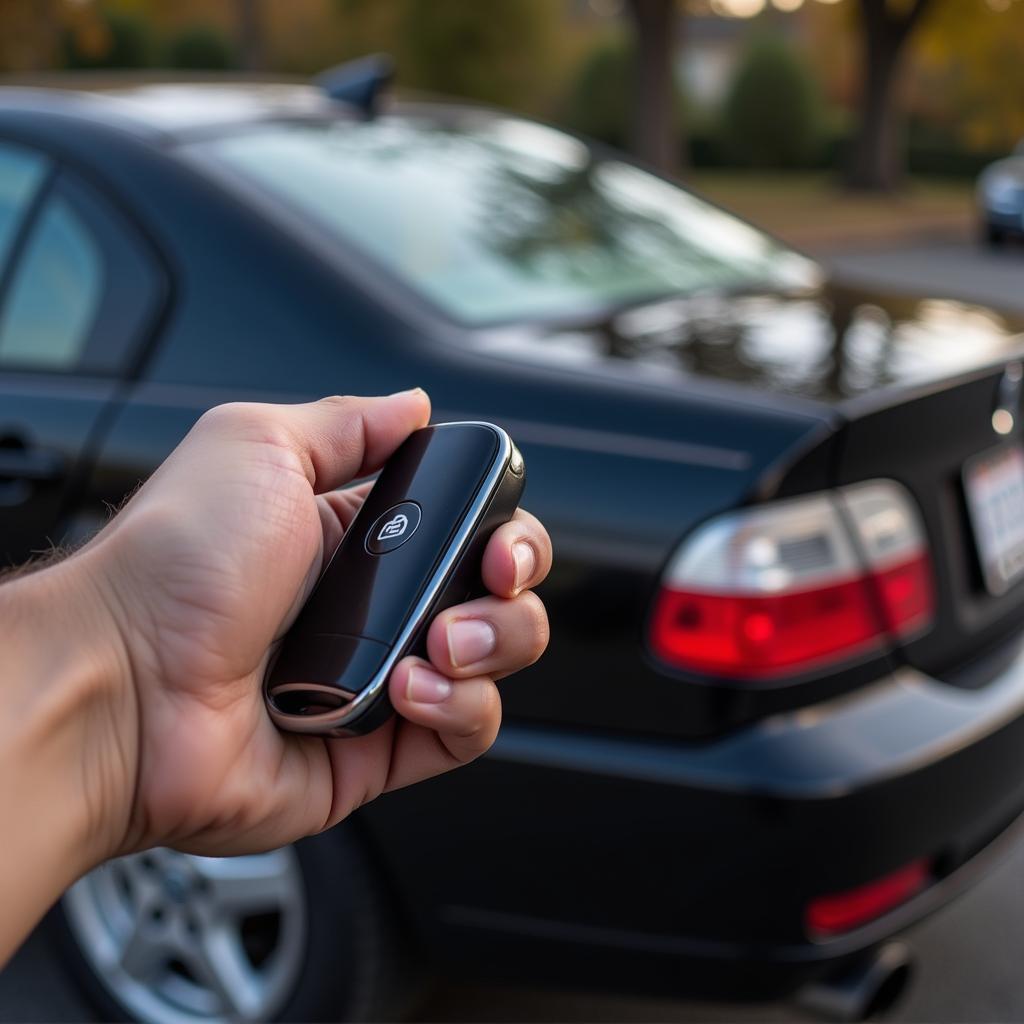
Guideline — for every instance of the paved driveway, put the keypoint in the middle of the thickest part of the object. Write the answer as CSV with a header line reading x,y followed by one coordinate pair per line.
x,y
957,269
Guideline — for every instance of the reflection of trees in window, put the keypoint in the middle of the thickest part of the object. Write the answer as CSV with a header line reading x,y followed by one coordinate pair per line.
x,y
824,347
567,224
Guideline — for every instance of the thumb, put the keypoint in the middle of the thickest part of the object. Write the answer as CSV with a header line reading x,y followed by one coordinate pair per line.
x,y
341,438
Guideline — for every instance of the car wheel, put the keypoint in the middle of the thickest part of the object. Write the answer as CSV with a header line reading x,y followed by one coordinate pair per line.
x,y
300,933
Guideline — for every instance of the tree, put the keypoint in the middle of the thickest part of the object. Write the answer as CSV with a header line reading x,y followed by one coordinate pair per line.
x,y
497,52
251,42
114,39
655,130
200,47
969,75
773,114
876,161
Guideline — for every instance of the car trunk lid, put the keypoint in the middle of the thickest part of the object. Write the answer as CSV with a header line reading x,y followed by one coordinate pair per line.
x,y
936,440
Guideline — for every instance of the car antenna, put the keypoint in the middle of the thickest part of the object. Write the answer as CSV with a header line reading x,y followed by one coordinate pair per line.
x,y
360,83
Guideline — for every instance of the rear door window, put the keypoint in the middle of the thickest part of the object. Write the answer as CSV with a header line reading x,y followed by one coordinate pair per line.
x,y
82,290
22,173
56,293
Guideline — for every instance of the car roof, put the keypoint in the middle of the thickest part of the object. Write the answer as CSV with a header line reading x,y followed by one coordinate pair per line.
x,y
171,109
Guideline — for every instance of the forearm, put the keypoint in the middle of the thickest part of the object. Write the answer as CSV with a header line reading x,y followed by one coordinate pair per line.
x,y
61,679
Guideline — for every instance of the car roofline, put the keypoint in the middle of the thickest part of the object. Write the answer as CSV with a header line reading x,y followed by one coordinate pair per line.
x,y
105,98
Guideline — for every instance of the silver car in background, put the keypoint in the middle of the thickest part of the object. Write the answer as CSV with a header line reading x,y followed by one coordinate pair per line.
x,y
1001,198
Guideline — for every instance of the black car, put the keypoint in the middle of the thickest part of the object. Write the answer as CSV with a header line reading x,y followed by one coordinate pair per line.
x,y
782,714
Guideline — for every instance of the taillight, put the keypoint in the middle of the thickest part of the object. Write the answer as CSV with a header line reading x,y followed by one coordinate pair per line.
x,y
843,911
893,544
793,586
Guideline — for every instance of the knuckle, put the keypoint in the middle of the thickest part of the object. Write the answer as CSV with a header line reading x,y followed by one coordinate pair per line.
x,y
248,420
340,404
221,416
490,704
537,623
480,724
341,400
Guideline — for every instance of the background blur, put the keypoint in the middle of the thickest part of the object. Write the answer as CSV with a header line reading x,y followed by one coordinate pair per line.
x,y
880,113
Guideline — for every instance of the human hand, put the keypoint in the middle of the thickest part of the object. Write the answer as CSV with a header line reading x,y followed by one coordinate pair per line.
x,y
207,566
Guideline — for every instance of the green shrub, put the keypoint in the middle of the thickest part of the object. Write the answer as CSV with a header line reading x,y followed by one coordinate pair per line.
x,y
128,44
600,100
598,104
201,48
773,114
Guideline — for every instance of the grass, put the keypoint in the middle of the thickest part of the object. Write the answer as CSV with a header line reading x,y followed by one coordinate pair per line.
x,y
812,211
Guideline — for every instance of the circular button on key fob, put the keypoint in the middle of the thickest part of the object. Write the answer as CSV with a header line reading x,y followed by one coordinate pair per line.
x,y
393,528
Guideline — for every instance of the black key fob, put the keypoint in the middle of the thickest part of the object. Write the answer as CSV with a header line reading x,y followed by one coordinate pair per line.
x,y
413,549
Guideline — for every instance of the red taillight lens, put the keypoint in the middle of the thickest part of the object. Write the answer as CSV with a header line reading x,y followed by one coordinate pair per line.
x,y
751,636
843,911
906,595
791,587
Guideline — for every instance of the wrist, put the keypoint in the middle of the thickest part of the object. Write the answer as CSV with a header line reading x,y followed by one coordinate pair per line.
x,y
71,735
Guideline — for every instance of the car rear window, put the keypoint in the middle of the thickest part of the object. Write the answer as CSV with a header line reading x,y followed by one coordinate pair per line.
x,y
498,219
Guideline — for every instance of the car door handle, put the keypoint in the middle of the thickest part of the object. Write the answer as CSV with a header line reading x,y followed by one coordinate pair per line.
x,y
22,469
34,464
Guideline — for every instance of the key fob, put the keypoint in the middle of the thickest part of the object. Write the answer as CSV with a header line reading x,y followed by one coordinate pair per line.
x,y
413,549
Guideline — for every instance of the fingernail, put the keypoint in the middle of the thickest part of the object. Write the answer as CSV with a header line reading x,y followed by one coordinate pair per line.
x,y
525,559
410,391
470,641
426,687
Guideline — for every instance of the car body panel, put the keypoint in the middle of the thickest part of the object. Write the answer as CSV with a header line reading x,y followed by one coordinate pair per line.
x,y
835,796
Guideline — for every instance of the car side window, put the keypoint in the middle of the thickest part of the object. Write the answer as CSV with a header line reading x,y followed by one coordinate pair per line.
x,y
82,290
22,172
55,293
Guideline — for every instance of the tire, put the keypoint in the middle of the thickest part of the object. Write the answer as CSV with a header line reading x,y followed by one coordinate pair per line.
x,y
345,957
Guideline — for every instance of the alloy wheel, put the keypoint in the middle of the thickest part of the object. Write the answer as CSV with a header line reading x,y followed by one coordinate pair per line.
x,y
179,939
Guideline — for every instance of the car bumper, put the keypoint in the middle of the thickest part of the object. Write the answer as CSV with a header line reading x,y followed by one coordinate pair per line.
x,y
605,860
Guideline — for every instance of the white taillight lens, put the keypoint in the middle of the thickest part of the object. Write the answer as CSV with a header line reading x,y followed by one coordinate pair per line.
x,y
766,550
788,587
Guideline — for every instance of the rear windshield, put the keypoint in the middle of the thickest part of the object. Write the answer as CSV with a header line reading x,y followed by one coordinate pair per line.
x,y
497,219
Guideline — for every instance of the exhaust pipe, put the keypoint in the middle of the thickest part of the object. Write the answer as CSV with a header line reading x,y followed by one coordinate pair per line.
x,y
863,990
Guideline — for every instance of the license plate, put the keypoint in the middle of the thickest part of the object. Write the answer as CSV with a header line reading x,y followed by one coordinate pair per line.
x,y
994,484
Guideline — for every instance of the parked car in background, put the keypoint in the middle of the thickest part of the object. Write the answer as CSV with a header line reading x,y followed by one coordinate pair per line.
x,y
782,713
1001,198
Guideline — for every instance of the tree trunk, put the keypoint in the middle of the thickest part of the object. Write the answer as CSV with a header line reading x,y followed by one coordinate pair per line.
x,y
877,159
654,129
251,48
46,35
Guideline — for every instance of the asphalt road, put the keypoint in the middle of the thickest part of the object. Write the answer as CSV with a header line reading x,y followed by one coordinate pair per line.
x,y
968,956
